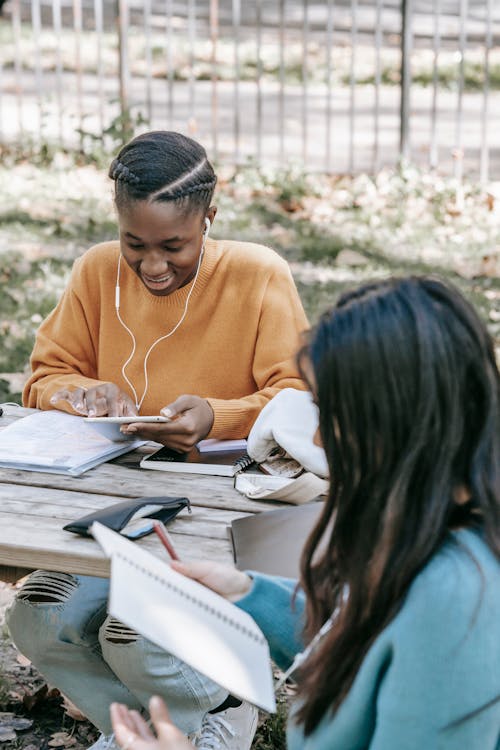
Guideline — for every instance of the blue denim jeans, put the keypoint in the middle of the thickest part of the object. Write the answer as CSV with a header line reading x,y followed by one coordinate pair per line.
x,y
59,621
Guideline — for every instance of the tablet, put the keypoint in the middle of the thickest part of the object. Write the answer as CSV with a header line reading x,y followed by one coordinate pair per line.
x,y
109,427
127,420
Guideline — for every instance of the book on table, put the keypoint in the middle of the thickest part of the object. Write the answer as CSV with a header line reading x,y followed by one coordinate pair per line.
x,y
58,443
188,620
219,458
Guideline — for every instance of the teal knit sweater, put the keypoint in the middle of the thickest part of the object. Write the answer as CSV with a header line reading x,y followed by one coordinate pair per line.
x,y
433,666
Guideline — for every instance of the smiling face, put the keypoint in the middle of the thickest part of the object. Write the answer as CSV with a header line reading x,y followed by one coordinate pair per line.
x,y
161,243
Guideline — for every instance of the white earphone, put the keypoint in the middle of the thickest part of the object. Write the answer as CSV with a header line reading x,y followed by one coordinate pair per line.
x,y
138,402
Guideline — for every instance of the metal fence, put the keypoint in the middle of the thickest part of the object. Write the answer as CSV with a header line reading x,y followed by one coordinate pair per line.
x,y
341,85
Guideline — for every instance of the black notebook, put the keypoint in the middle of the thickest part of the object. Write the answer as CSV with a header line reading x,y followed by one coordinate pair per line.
x,y
225,463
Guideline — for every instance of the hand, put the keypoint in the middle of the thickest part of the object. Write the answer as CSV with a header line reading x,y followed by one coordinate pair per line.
x,y
132,732
230,583
99,401
192,419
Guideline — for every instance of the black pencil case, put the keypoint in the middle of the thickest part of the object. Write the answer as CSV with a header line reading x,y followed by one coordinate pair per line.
x,y
120,515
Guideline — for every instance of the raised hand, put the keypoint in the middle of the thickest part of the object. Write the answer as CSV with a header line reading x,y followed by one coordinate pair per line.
x,y
132,732
102,400
230,583
191,421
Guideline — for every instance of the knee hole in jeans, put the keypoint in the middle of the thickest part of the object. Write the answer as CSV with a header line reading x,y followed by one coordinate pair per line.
x,y
49,587
116,632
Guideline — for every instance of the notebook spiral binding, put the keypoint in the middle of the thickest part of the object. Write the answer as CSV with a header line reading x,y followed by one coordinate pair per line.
x,y
180,592
244,462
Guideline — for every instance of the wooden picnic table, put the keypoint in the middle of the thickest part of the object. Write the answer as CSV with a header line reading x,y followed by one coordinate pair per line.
x,y
34,506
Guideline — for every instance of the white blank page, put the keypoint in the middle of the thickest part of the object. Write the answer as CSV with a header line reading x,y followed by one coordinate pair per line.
x,y
188,620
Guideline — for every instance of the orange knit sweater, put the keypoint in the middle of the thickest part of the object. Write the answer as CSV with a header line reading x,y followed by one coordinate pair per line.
x,y
235,347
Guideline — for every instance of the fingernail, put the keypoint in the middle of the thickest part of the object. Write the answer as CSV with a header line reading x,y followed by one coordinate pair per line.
x,y
166,412
91,411
53,400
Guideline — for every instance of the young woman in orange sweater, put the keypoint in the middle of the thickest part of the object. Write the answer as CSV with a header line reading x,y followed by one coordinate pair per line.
x,y
167,316
165,319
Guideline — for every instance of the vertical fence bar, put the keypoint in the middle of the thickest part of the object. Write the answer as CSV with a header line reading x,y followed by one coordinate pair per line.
x,y
57,26
99,27
191,20
433,151
1,100
123,61
352,82
236,119
16,29
214,36
258,69
36,25
406,50
488,43
378,77
305,77
458,155
281,94
170,62
148,58
77,26
329,73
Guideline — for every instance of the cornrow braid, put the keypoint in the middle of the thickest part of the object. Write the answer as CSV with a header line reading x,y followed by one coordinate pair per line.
x,y
119,171
185,191
164,166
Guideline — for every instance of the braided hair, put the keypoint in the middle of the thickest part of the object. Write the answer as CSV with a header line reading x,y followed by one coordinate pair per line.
x,y
163,166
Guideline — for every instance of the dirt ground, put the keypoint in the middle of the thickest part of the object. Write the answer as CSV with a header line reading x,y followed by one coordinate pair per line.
x,y
32,714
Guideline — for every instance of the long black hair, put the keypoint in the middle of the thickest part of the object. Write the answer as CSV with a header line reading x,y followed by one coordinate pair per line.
x,y
164,166
408,392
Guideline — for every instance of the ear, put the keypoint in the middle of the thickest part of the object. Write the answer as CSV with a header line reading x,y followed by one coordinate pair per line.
x,y
211,214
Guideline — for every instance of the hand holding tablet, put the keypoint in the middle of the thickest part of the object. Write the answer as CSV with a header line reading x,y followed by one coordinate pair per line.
x,y
110,426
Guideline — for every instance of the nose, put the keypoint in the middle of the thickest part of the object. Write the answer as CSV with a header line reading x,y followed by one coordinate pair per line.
x,y
154,263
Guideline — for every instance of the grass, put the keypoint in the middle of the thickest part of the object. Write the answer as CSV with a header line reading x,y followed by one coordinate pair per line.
x,y
336,233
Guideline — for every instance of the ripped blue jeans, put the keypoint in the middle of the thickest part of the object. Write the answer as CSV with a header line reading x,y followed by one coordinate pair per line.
x,y
59,621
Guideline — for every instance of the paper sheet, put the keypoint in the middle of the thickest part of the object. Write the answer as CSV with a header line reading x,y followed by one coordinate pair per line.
x,y
188,620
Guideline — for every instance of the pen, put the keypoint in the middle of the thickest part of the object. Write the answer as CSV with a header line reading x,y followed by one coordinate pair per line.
x,y
160,529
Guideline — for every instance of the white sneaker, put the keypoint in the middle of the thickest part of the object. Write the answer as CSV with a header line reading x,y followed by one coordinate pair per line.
x,y
105,742
232,729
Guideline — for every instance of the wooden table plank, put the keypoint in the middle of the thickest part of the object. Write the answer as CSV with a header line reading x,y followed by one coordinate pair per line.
x,y
212,492
47,546
34,506
22,502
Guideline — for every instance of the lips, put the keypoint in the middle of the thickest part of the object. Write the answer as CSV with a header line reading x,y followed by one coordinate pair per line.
x,y
157,282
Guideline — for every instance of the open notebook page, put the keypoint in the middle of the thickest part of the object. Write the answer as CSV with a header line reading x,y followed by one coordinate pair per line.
x,y
188,620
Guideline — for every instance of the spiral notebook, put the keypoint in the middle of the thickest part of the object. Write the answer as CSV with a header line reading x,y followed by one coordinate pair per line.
x,y
188,620
219,462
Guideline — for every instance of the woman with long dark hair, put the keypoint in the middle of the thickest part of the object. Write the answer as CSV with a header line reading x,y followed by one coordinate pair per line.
x,y
404,562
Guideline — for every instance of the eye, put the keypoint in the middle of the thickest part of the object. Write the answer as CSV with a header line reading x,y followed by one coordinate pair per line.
x,y
133,246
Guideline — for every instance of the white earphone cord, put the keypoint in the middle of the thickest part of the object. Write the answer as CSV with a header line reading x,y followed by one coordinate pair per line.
x,y
162,338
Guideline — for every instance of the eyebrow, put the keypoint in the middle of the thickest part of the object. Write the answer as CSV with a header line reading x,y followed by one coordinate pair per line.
x,y
170,239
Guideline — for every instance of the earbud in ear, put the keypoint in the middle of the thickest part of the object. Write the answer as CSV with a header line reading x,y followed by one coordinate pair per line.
x,y
207,226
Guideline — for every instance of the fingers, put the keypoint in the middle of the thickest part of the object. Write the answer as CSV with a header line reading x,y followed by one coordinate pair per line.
x,y
132,732
75,398
140,726
228,582
179,406
102,400
130,729
191,420
170,737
